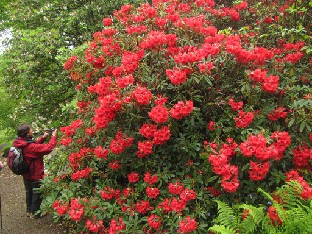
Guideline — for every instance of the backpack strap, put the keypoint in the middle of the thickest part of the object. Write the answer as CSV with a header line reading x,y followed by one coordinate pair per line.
x,y
31,159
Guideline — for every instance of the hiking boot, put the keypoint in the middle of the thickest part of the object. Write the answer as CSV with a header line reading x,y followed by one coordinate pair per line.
x,y
38,216
32,216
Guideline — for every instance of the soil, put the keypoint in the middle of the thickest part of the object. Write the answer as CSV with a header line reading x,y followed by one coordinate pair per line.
x,y
13,209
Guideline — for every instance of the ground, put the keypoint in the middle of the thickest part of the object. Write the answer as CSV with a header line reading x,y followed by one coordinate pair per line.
x,y
13,209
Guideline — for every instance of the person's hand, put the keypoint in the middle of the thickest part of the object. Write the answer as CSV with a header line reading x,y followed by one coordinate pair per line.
x,y
45,134
1,165
54,132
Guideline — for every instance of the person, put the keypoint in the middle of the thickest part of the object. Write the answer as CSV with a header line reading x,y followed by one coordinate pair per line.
x,y
33,151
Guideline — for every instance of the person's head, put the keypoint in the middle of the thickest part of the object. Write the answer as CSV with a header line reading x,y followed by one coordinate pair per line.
x,y
24,131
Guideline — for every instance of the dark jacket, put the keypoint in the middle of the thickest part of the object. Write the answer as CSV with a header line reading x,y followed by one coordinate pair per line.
x,y
33,152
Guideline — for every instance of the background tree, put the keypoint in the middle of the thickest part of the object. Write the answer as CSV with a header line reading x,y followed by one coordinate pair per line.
x,y
43,34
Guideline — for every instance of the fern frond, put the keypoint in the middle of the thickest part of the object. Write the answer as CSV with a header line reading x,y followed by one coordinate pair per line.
x,y
226,215
221,229
267,227
254,217
289,194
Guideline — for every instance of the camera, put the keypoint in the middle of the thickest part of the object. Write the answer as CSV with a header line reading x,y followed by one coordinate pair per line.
x,y
49,130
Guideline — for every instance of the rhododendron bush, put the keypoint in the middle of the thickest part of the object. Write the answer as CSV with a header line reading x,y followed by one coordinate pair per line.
x,y
180,102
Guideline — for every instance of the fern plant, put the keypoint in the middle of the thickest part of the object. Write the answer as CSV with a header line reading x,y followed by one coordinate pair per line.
x,y
294,213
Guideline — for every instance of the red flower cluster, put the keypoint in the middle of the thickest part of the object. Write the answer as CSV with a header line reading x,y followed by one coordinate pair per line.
x,y
268,83
181,109
116,227
120,143
142,95
258,171
306,192
94,225
154,221
148,130
279,113
60,209
220,166
144,148
243,119
81,174
133,177
175,188
107,22
152,192
100,152
235,105
76,210
272,213
69,64
176,76
143,206
150,179
108,193
302,156
188,225
159,114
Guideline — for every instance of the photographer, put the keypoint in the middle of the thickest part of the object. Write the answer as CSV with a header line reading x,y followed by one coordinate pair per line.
x,y
33,151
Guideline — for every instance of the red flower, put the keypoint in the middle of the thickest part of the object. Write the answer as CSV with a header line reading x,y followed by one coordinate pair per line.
x,y
161,135
150,179
257,75
148,130
278,113
144,148
270,84
235,105
107,21
159,114
70,63
154,221
142,95
274,216
107,193
152,192
243,119
177,205
188,225
100,152
175,188
133,177
165,205
211,125
81,174
258,170
180,109
123,82
94,225
294,58
143,206
176,76
114,164
188,194
230,186
76,210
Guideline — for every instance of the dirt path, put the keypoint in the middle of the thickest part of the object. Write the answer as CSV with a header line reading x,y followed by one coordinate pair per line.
x,y
13,209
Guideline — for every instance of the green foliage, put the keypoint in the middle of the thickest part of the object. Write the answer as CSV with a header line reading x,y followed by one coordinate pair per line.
x,y
294,212
156,99
43,36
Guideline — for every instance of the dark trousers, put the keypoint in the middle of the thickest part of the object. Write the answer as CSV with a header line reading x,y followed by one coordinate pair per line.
x,y
33,197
